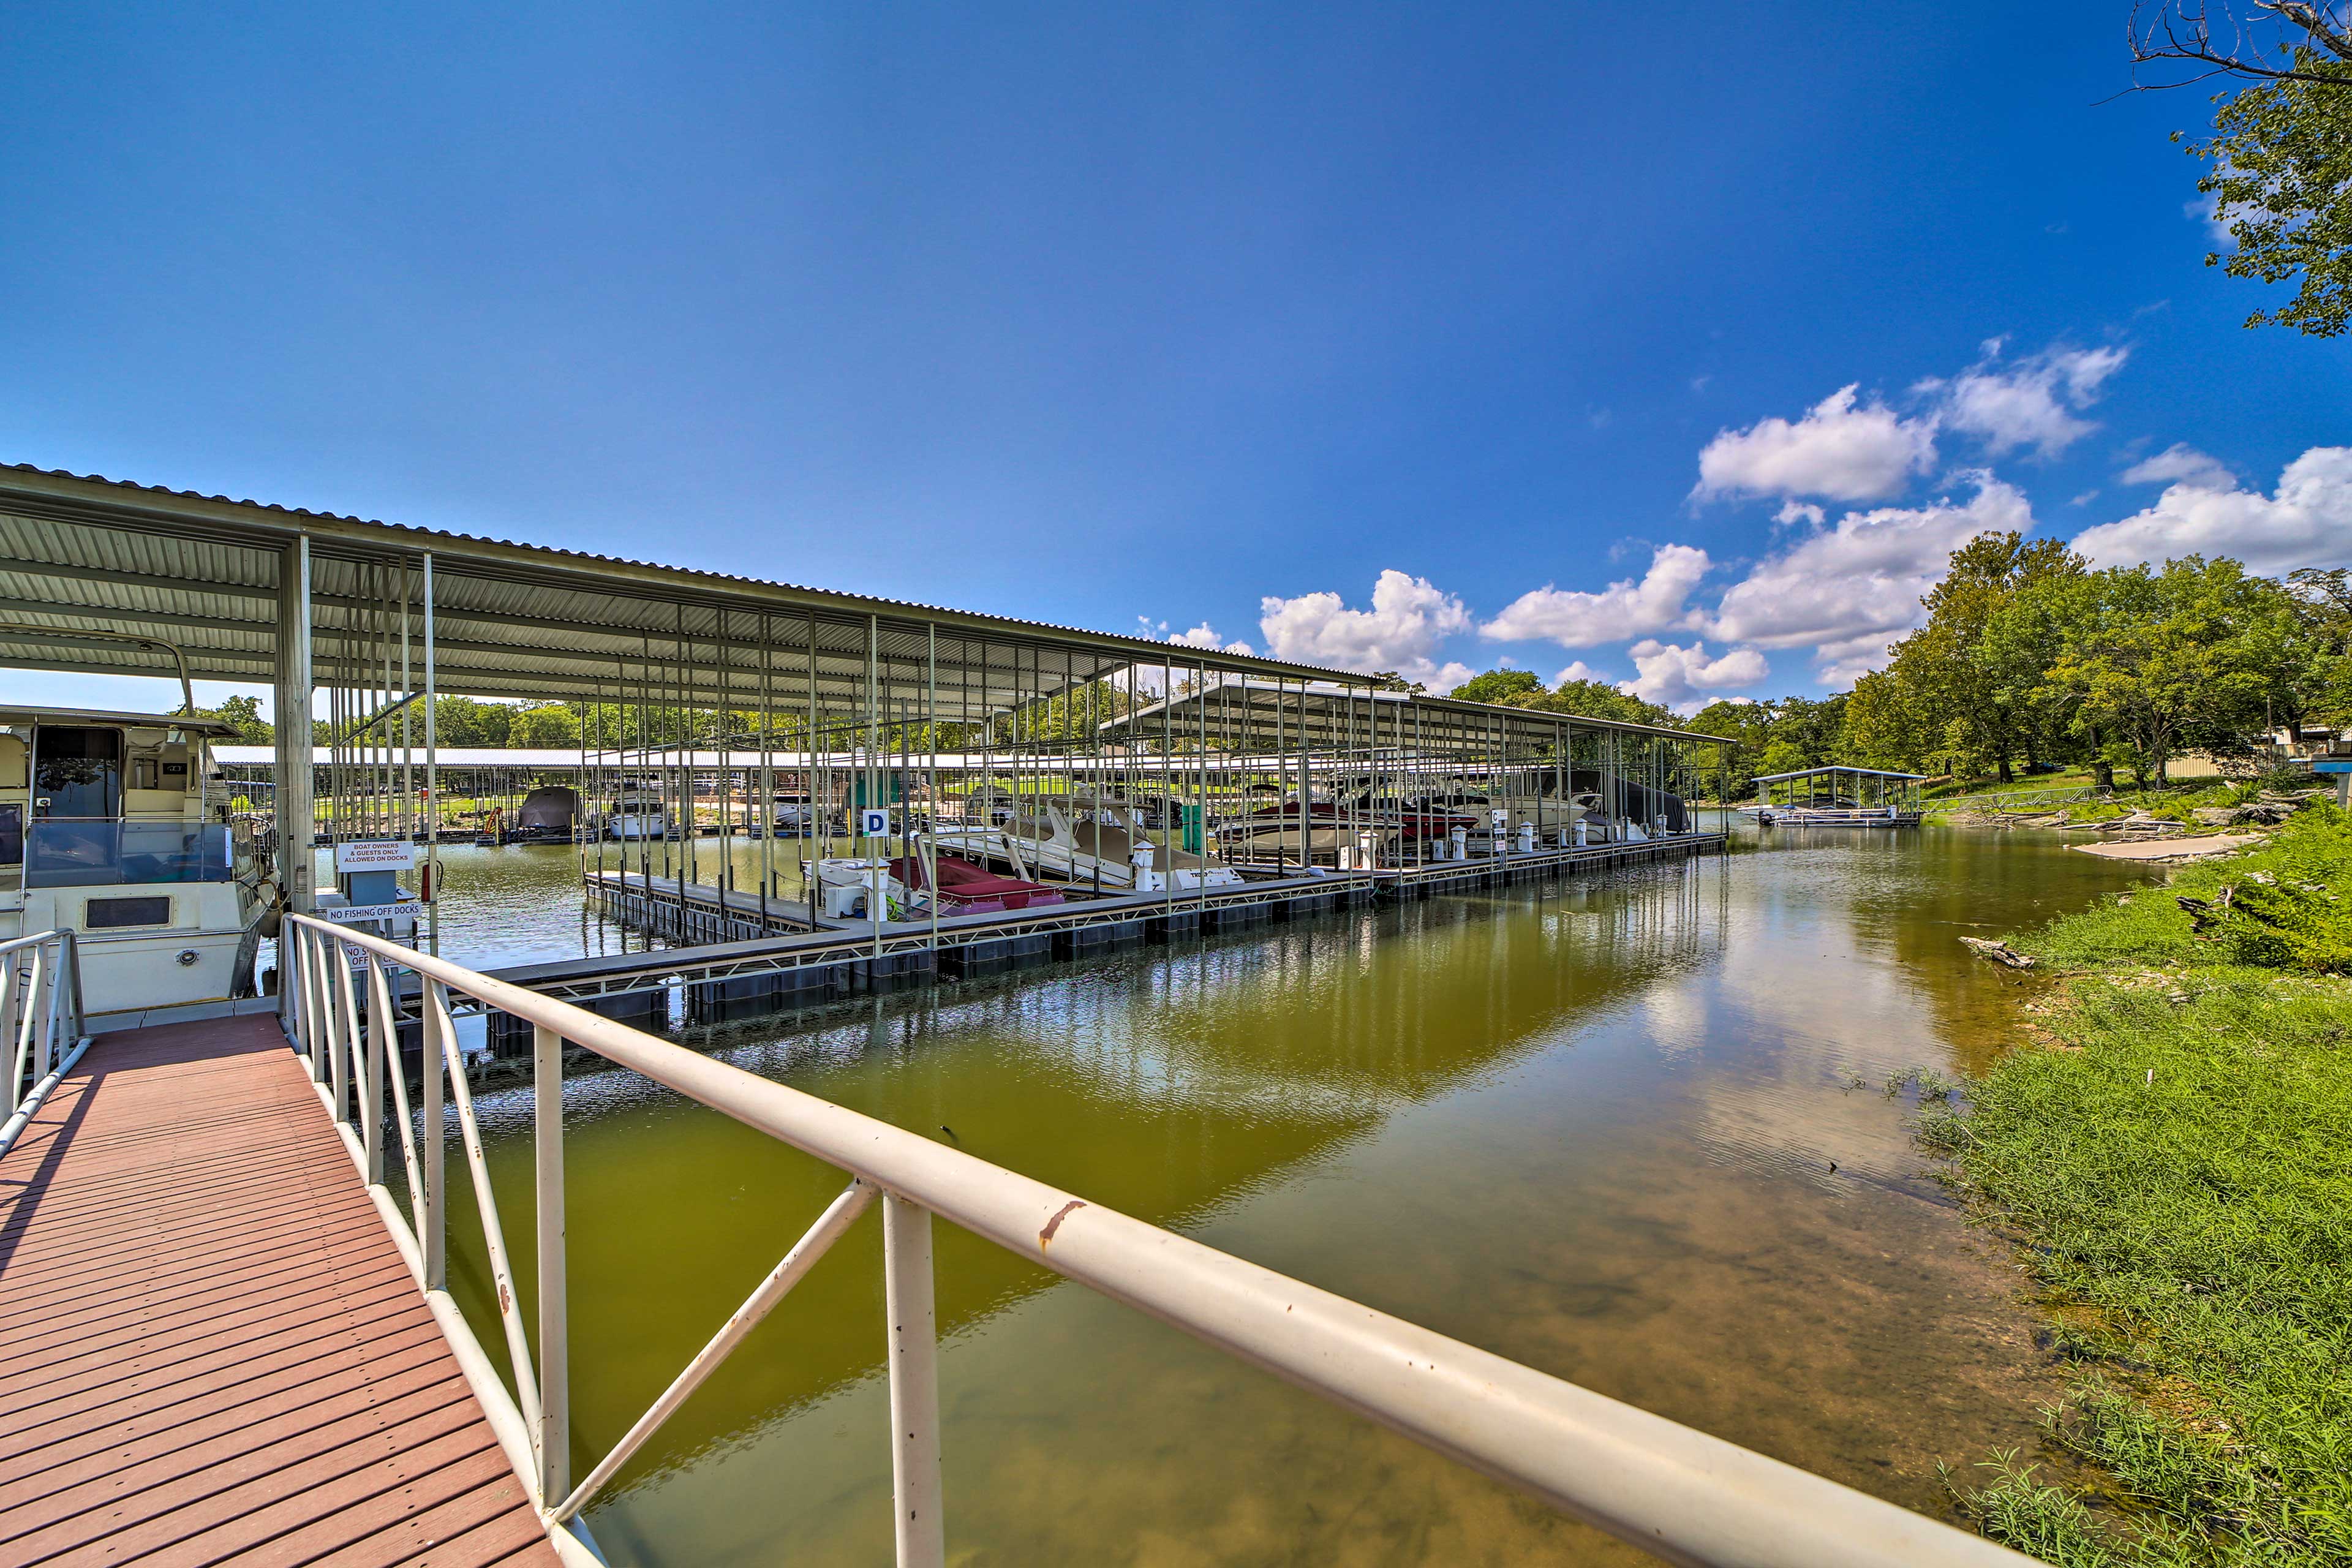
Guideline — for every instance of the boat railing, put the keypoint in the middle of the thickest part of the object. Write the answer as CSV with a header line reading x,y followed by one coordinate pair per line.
x,y
1672,1490
41,1024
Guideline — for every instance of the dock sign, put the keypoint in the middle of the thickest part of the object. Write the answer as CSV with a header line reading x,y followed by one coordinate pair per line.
x,y
364,914
873,821
375,855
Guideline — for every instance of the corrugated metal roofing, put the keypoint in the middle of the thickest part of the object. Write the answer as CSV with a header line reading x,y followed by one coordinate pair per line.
x,y
1263,708
512,618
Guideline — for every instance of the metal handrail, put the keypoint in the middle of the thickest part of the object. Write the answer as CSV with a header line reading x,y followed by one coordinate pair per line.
x,y
1679,1493
1998,799
42,1029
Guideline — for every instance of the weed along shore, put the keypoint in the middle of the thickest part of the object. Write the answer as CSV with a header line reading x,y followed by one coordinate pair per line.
x,y
2172,1156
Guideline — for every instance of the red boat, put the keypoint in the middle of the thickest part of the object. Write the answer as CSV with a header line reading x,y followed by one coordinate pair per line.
x,y
966,889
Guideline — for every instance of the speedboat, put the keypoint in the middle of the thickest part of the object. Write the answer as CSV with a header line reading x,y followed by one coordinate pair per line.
x,y
966,889
1098,840
1084,841
860,888
638,811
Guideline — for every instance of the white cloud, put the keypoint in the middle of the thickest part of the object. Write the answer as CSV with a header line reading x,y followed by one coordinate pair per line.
x,y
2181,463
1848,588
1621,610
1580,670
2207,210
2306,522
1409,618
1679,677
1837,449
2031,403
1205,636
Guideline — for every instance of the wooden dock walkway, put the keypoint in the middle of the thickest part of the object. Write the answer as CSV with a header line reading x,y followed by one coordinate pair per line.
x,y
210,1350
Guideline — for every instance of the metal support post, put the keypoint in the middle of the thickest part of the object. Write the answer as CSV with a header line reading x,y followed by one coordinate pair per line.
x,y
433,1202
554,1375
372,1093
291,708
914,1382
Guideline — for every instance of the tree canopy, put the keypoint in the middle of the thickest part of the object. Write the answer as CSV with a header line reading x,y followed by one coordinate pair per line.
x,y
1584,699
2278,165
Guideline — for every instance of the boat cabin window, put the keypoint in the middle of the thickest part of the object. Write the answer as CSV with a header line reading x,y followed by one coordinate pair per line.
x,y
77,772
68,852
103,914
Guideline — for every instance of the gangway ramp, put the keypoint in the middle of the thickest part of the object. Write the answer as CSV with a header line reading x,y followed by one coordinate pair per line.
x,y
214,1352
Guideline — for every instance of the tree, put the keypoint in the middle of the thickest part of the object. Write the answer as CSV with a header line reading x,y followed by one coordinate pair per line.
x,y
1500,685
1747,725
2321,602
245,712
1885,725
2163,661
2278,166
1782,757
1973,694
1584,699
551,726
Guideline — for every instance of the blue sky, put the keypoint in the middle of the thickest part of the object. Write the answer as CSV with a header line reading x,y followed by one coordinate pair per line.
x,y
1391,338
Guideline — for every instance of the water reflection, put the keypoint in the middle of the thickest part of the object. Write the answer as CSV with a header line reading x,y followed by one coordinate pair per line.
x,y
1588,1125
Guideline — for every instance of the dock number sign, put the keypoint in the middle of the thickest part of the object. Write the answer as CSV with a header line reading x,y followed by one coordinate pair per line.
x,y
873,821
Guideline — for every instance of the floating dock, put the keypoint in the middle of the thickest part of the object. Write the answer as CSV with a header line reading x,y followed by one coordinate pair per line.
x,y
219,1354
734,954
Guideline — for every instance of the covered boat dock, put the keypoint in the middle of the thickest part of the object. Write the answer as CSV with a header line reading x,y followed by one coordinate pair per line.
x,y
1839,796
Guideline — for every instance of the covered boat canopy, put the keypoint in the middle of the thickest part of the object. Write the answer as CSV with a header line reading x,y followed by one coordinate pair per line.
x,y
1841,768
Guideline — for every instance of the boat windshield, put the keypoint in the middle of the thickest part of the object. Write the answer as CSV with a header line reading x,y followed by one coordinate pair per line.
x,y
85,852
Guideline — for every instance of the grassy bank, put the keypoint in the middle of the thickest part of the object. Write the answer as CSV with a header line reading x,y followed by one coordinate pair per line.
x,y
2175,1158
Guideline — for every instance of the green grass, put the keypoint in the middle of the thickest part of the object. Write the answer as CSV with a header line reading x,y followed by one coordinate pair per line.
x,y
2023,784
2179,1167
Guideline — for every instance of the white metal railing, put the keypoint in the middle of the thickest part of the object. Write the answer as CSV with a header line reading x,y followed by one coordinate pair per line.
x,y
1681,1494
41,1026
2002,800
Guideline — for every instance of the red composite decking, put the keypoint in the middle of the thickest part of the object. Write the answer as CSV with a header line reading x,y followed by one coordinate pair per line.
x,y
210,1350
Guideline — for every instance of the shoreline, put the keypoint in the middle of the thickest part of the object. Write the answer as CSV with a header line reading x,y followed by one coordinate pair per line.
x,y
2170,1156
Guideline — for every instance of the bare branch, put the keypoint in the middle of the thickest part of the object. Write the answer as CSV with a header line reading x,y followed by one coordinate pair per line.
x,y
2186,32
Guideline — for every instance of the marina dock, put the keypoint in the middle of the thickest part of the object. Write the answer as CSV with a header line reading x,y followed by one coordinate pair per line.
x,y
225,1241
734,952
217,1354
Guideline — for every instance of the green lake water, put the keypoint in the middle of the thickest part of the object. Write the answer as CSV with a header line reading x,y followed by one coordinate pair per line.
x,y
1588,1125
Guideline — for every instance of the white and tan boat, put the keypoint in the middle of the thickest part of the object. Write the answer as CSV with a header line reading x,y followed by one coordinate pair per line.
x,y
1086,841
108,829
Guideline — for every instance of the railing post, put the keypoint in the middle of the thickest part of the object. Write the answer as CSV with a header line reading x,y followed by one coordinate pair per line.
x,y
343,1035
554,1373
314,1002
914,1382
10,979
294,988
29,1034
46,1055
371,1094
71,953
432,1205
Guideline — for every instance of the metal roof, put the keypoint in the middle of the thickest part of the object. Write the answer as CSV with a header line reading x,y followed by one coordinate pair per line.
x,y
106,715
82,554
1836,768
1256,707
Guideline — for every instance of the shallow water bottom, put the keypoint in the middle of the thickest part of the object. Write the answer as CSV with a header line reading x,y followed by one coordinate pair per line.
x,y
1590,1127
